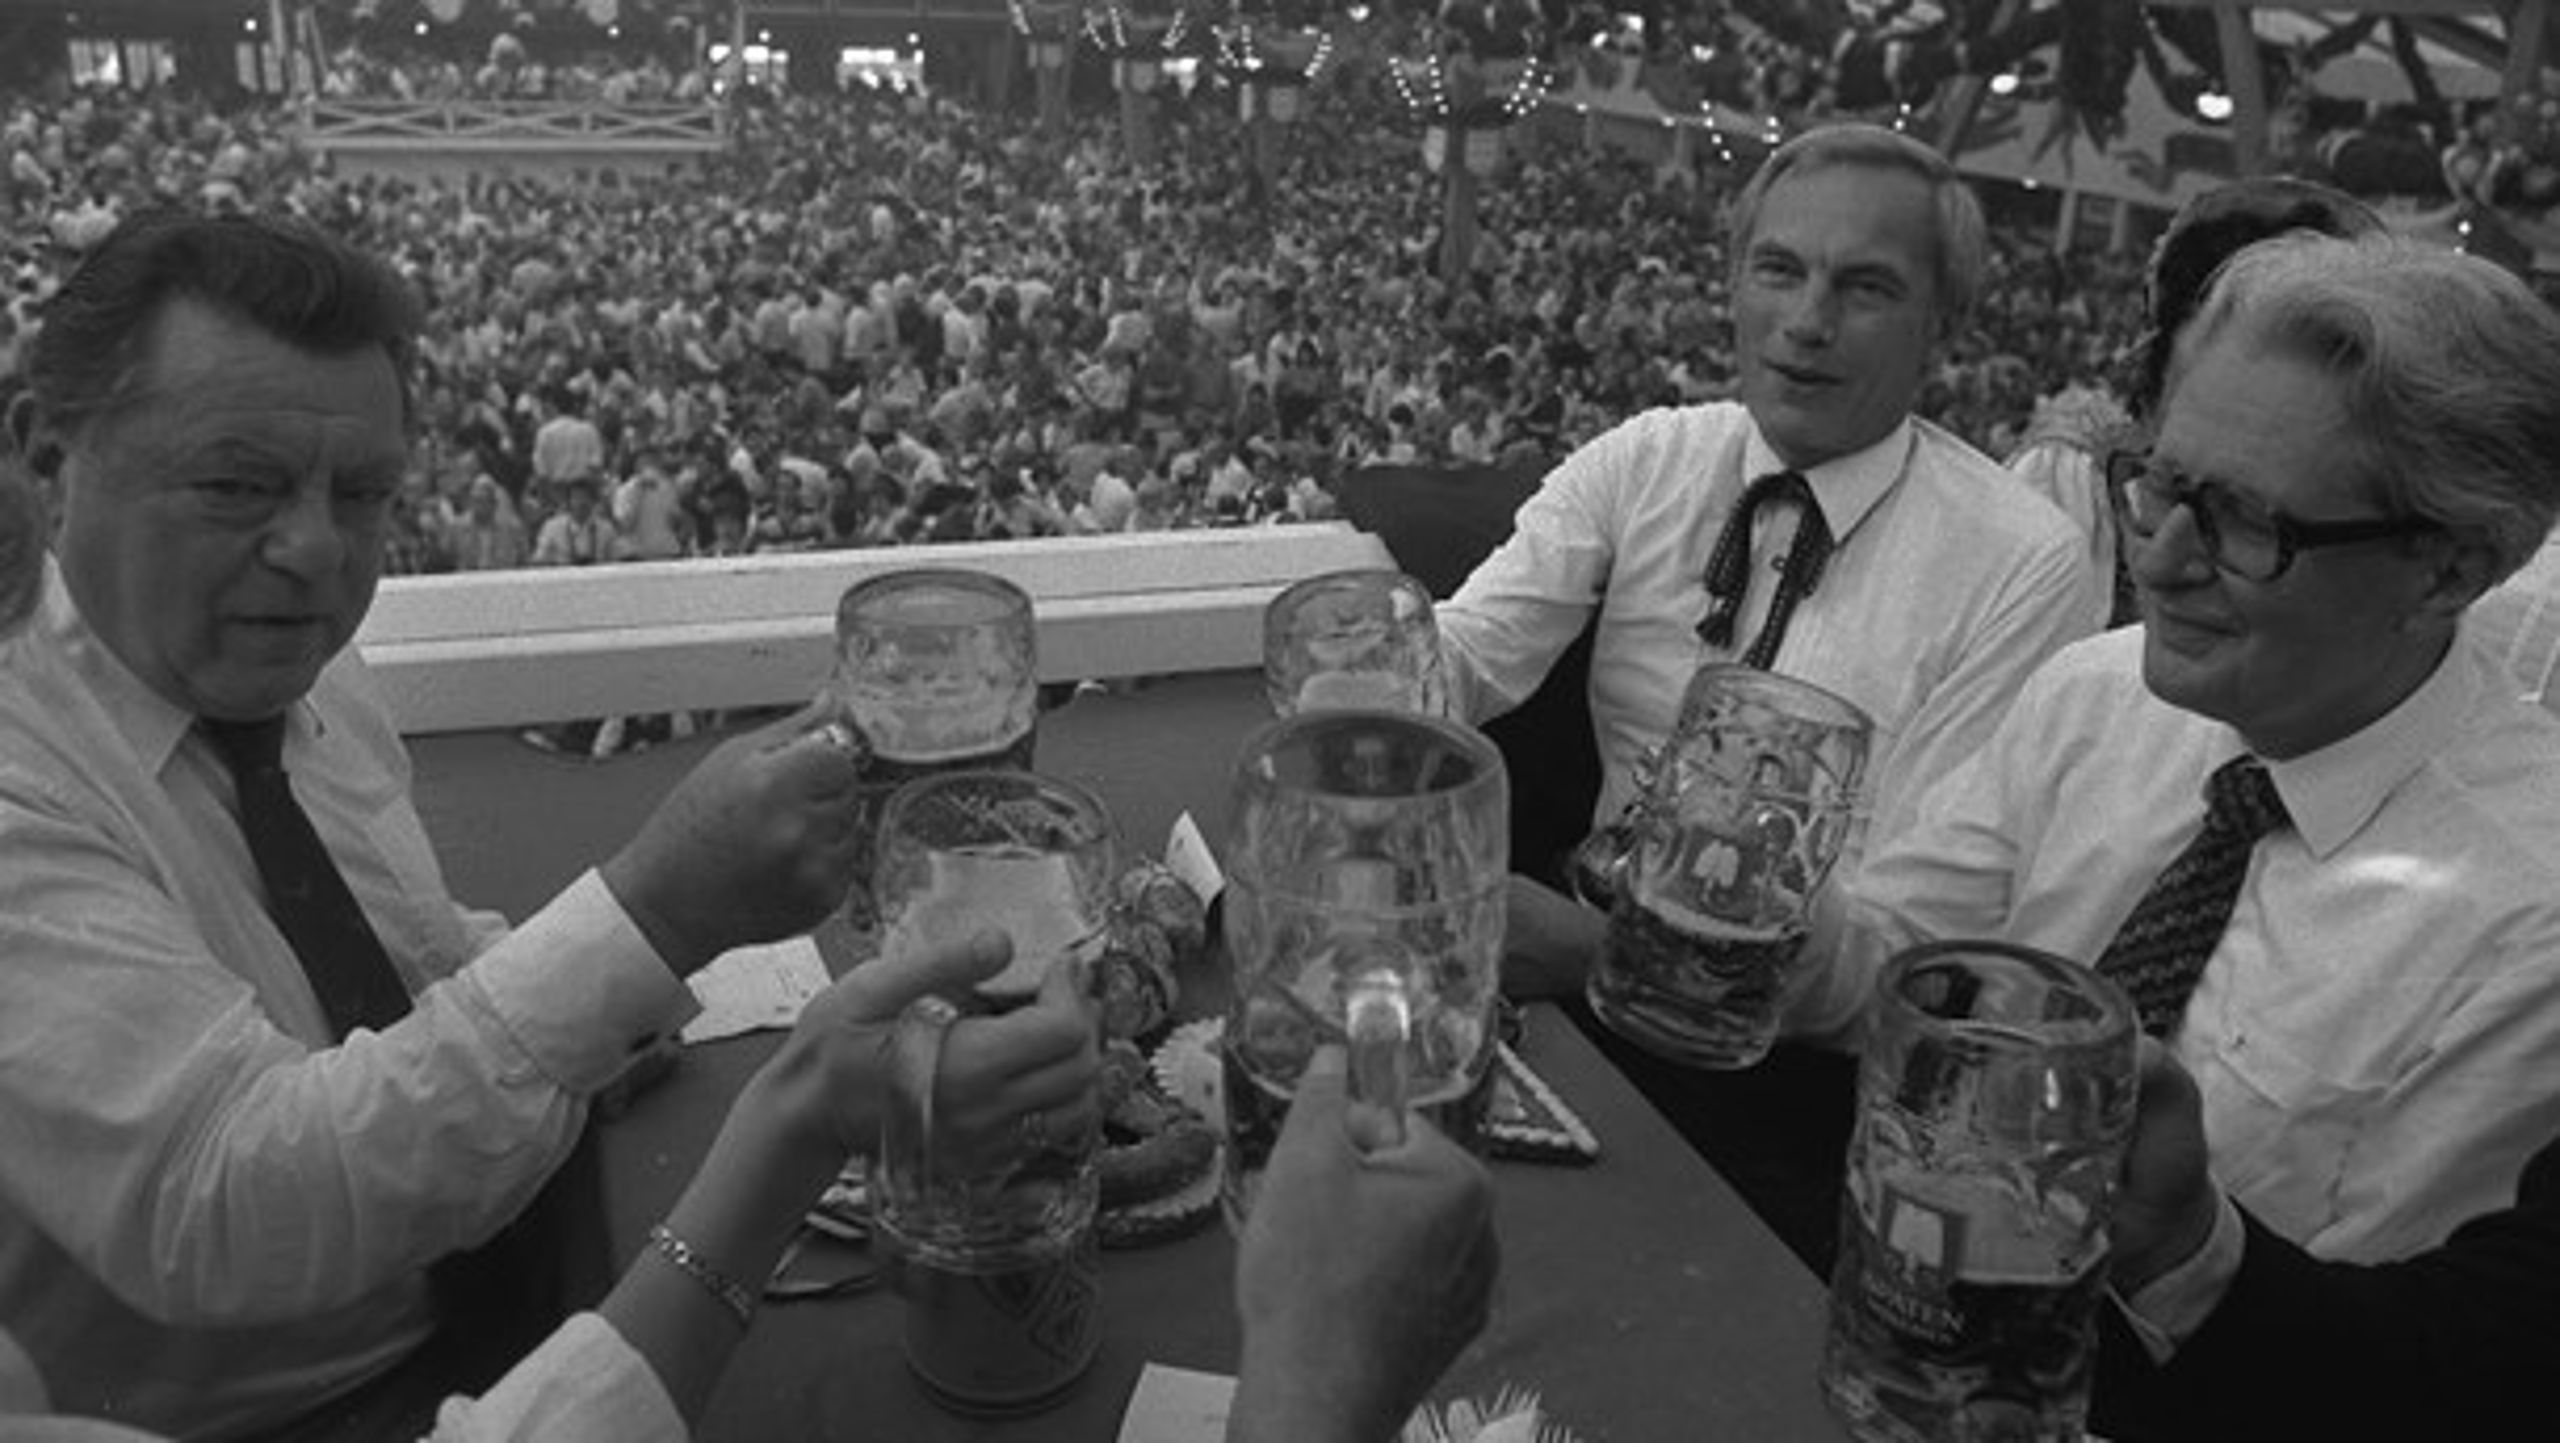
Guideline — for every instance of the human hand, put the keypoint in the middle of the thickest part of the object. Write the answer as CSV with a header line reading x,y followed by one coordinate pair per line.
x,y
1549,940
2165,1202
994,1071
1363,1271
756,843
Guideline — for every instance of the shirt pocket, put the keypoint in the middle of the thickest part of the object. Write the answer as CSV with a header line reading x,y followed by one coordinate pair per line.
x,y
2281,1132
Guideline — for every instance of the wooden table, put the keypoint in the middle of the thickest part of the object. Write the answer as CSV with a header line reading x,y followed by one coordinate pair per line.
x,y
1639,1295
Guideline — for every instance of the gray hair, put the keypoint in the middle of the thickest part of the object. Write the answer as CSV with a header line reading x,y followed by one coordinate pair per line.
x,y
2449,367
1963,239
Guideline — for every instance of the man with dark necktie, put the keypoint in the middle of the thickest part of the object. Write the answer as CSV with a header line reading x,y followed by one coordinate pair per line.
x,y
2296,813
1815,528
260,1076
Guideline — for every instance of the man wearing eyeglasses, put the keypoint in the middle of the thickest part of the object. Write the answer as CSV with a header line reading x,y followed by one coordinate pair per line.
x,y
2312,831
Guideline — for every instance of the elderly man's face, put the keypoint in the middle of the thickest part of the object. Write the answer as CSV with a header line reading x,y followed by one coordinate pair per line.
x,y
222,532
2339,638
1836,309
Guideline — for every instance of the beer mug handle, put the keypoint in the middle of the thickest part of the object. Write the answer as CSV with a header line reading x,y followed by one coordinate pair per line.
x,y
1378,1016
915,1060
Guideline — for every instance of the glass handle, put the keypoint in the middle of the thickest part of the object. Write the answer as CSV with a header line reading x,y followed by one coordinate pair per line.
x,y
1379,1018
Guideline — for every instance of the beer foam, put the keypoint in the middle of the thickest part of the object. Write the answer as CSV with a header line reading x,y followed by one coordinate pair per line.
x,y
1349,690
1030,896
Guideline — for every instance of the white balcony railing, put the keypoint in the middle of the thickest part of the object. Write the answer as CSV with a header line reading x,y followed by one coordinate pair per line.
x,y
511,648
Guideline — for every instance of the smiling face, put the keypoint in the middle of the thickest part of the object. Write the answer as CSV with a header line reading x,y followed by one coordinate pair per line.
x,y
222,530
2340,638
1835,308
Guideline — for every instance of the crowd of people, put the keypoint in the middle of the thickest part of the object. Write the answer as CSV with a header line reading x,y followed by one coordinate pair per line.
x,y
882,319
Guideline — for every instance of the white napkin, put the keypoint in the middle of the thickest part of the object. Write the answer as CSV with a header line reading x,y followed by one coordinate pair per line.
x,y
1177,1405
748,989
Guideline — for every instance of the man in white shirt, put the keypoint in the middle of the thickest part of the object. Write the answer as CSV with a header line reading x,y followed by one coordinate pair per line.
x,y
2359,440
218,1205
1856,251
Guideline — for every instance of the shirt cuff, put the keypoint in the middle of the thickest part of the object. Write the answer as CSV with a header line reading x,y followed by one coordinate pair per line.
x,y
579,988
2168,1310
584,1381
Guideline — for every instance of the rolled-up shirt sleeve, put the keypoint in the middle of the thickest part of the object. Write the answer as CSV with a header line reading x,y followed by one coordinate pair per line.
x,y
585,1384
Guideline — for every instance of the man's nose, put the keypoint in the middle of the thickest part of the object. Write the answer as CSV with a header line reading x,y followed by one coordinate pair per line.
x,y
2173,555
304,538
1813,314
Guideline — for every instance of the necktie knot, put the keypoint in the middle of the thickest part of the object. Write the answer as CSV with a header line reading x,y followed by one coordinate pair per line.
x,y
1728,575
2241,798
248,748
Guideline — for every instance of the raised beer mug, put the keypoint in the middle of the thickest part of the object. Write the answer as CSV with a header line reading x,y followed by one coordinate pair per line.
x,y
1748,806
993,1236
937,670
1367,861
1360,638
1995,1100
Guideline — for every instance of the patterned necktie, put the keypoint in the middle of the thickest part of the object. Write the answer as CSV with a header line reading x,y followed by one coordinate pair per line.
x,y
1729,566
2160,951
306,894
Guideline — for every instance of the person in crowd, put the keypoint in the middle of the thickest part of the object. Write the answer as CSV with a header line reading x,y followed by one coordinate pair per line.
x,y
1919,581
2063,453
2266,1341
259,1073
487,537
580,533
2316,839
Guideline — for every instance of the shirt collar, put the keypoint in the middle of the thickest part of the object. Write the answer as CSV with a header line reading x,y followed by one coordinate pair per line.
x,y
1845,487
2333,792
151,724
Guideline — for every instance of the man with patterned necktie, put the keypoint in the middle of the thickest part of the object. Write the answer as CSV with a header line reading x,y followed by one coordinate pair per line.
x,y
2297,813
259,1073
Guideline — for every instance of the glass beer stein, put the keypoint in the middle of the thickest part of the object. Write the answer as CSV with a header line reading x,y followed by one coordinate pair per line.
x,y
1357,638
1750,803
994,1238
1367,862
937,670
1995,1101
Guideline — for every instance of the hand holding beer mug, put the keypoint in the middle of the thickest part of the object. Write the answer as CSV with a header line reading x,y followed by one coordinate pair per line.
x,y
996,1243
1353,639
1367,864
936,670
1751,803
1995,1100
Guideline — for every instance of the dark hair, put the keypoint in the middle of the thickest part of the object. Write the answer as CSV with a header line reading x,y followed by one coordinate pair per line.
x,y
296,283
2210,230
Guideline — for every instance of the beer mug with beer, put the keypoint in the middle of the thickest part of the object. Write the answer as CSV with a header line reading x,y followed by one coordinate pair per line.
x,y
937,670
1995,1100
1750,803
1357,638
1367,862
994,1237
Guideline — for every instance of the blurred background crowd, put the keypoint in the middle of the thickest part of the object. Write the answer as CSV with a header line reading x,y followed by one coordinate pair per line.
x,y
883,319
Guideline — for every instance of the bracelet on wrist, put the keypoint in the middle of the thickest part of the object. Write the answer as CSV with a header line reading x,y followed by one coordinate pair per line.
x,y
680,1255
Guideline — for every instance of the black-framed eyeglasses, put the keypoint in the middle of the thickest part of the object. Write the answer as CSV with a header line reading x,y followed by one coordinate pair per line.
x,y
2241,534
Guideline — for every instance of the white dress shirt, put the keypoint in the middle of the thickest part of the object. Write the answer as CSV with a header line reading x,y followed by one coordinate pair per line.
x,y
211,1218
1948,583
2378,1033
2518,624
584,1384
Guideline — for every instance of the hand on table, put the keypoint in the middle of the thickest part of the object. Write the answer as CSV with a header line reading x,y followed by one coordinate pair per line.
x,y
2166,1203
757,843
1549,940
1363,1271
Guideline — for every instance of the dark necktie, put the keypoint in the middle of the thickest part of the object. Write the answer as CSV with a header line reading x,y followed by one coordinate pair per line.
x,y
306,894
2160,951
1729,566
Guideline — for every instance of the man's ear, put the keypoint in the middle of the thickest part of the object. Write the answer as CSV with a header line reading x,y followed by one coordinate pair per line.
x,y
31,441
2463,570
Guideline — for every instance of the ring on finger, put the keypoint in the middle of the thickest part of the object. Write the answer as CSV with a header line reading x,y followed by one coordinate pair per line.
x,y
1032,1129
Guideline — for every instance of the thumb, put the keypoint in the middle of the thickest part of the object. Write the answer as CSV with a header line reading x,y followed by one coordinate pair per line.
x,y
893,979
